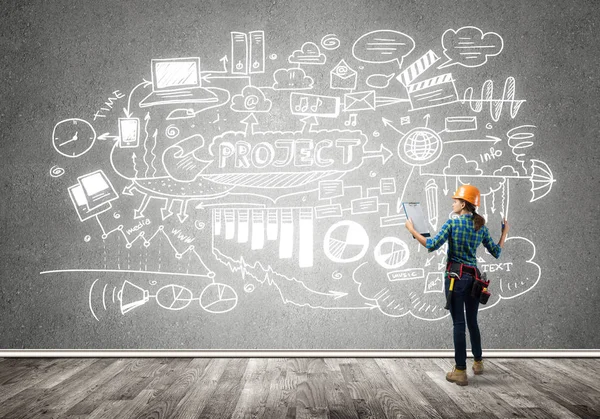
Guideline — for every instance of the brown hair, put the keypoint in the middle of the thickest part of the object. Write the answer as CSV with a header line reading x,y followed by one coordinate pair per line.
x,y
478,220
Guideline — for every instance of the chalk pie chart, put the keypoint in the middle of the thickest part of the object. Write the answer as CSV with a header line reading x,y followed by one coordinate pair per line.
x,y
391,253
174,297
345,241
218,298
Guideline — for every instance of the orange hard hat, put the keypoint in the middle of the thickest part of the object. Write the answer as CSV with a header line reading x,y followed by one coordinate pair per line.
x,y
468,193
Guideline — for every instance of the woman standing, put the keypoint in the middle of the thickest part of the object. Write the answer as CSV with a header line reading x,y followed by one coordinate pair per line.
x,y
463,234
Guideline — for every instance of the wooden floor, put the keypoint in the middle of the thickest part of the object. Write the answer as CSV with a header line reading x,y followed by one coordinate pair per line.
x,y
295,388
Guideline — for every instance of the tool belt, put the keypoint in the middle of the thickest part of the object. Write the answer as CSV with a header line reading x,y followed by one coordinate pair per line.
x,y
481,284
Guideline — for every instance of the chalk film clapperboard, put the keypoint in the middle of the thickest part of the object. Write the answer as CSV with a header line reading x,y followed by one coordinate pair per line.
x,y
435,91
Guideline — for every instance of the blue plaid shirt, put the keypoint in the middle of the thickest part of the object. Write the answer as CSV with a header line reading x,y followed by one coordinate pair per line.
x,y
463,240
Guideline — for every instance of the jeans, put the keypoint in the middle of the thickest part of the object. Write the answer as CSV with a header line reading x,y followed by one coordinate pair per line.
x,y
461,299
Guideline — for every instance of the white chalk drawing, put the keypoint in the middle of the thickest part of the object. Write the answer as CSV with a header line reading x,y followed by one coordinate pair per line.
x,y
252,99
461,123
345,241
176,81
435,91
287,175
379,81
73,137
308,54
391,253
343,77
496,105
383,46
303,104
292,79
247,52
330,42
57,171
470,47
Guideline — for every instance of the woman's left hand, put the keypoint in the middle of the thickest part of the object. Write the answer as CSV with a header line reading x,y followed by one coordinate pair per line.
x,y
409,225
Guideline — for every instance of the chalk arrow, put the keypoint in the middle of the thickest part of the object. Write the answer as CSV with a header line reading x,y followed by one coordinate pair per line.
x,y
337,294
145,83
428,262
383,152
208,77
388,123
166,210
128,190
309,121
250,121
182,215
489,139
107,136
446,190
139,213
205,74
224,60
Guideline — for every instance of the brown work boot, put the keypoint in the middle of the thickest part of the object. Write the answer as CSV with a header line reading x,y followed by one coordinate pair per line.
x,y
457,376
478,367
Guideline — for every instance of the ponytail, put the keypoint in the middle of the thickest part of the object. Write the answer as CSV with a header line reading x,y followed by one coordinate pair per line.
x,y
478,220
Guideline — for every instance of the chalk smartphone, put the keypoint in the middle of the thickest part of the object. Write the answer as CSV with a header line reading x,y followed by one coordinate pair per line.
x,y
414,211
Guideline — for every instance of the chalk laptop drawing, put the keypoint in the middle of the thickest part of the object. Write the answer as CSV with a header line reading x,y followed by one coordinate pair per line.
x,y
177,80
414,211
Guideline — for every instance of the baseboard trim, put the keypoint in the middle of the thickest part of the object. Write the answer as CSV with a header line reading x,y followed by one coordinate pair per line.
x,y
287,353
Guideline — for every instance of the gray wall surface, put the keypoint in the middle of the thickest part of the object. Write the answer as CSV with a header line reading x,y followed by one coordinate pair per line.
x,y
229,175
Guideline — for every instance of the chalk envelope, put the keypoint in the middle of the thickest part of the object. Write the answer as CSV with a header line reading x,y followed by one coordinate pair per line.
x,y
342,76
359,101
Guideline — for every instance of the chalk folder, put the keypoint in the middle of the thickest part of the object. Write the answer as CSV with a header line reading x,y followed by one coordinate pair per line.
x,y
414,211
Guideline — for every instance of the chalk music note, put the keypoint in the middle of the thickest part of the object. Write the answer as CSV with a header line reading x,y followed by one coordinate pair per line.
x,y
351,120
302,106
314,107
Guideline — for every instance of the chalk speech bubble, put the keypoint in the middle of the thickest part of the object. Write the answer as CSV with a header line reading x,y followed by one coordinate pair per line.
x,y
383,46
469,46
521,273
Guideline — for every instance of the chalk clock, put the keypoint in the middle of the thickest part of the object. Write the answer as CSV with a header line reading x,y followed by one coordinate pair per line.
x,y
73,137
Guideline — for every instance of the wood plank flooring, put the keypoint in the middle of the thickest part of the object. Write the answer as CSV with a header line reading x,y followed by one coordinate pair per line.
x,y
301,388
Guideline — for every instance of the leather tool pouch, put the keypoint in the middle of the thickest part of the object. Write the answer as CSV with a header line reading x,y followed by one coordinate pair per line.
x,y
479,284
480,289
